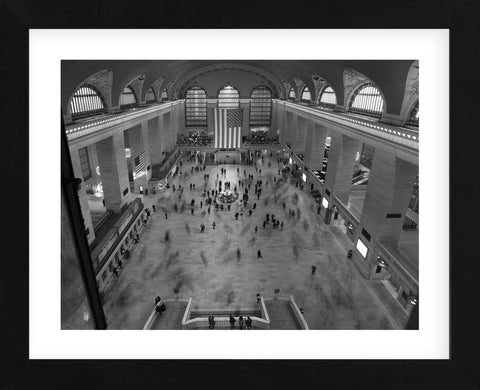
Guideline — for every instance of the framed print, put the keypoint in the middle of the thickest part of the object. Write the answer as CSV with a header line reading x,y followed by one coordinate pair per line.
x,y
212,180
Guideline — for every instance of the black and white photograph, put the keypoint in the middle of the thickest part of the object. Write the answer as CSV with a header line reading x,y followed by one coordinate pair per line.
x,y
243,194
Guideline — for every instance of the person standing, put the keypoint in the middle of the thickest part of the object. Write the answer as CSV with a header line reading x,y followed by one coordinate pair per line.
x,y
202,228
313,270
211,322
248,322
256,229
241,322
259,299
213,225
232,321
259,254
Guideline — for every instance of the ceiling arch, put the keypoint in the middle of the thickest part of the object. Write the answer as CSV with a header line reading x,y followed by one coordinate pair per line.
x,y
389,75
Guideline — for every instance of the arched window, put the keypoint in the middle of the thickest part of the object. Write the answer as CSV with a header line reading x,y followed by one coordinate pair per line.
x,y
260,106
150,98
368,100
291,94
196,107
86,101
228,97
164,95
127,98
414,116
328,97
306,95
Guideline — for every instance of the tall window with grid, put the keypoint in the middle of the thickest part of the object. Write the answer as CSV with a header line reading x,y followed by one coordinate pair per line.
x,y
367,100
196,107
260,106
86,101
228,97
306,95
127,98
291,94
327,97
85,163
150,97
414,116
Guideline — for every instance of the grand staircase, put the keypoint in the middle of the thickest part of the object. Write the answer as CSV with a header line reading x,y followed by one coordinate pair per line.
x,y
172,317
281,315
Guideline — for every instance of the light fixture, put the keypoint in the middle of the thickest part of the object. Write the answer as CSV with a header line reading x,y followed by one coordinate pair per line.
x,y
381,263
412,299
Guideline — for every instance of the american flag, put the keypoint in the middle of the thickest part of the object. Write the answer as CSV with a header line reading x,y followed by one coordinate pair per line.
x,y
140,162
228,127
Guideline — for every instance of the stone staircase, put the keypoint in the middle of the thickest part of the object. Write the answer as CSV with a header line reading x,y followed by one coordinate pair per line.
x,y
172,317
281,314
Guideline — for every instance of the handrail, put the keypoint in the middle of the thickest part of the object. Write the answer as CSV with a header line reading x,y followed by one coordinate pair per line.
x,y
81,129
404,136
298,314
153,315
202,322
397,264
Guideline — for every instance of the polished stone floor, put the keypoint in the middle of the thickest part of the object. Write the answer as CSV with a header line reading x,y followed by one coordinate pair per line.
x,y
220,270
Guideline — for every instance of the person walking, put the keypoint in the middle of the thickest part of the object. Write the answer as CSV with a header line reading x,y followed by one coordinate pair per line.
x,y
213,225
256,229
313,270
232,321
202,228
154,208
259,254
259,299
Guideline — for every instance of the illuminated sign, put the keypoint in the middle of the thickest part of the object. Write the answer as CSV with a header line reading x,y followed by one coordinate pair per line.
x,y
362,248
325,203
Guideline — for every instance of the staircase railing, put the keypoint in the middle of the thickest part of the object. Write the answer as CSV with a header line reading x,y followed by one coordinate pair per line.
x,y
223,321
298,314
153,315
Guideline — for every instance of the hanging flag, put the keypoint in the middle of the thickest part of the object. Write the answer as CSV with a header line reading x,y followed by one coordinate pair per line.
x,y
228,127
140,163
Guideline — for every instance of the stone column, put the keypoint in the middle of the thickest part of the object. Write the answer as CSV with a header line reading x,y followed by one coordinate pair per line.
x,y
291,128
341,160
301,135
136,138
155,138
279,112
389,190
114,172
315,146
167,131
82,194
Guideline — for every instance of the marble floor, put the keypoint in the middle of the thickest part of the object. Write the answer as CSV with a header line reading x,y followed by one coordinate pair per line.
x,y
219,268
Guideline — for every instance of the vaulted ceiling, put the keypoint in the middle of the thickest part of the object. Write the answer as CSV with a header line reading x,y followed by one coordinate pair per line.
x,y
390,76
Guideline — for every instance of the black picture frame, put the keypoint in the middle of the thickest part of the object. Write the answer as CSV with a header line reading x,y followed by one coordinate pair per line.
x,y
17,371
